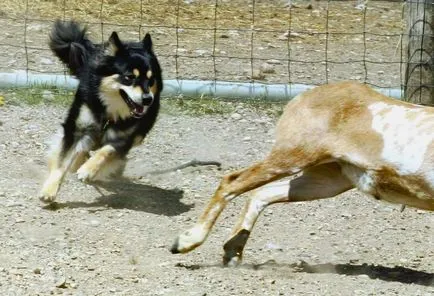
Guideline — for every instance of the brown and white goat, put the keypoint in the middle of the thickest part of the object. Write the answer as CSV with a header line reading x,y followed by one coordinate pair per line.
x,y
338,136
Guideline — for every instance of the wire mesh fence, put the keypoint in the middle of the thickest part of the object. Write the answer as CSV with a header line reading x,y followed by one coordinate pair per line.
x,y
273,41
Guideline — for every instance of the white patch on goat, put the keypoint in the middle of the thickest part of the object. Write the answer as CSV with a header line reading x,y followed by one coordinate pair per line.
x,y
192,237
262,197
407,134
364,180
430,178
279,188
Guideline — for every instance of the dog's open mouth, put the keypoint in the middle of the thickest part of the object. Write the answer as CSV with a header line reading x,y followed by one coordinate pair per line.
x,y
137,110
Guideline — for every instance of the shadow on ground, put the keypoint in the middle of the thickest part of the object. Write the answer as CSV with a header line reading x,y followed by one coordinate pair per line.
x,y
390,274
125,194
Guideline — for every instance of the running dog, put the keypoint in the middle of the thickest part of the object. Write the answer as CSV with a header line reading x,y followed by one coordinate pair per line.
x,y
115,106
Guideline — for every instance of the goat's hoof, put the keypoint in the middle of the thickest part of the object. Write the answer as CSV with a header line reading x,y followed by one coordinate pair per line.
x,y
189,240
233,261
175,247
182,245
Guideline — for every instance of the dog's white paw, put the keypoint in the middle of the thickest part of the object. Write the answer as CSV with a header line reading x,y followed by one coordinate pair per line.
x,y
48,194
51,187
84,174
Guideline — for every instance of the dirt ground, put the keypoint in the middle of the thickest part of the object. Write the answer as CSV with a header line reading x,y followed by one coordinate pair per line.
x,y
115,239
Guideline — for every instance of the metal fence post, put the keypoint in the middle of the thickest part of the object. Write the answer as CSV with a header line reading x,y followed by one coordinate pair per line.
x,y
419,74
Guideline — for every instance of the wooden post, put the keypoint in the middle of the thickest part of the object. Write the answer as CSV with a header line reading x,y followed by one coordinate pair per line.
x,y
419,74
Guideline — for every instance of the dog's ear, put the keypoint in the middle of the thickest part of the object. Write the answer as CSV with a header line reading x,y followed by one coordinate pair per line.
x,y
115,45
147,42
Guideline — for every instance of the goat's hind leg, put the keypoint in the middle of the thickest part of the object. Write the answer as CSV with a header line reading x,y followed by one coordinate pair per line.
x,y
232,185
321,181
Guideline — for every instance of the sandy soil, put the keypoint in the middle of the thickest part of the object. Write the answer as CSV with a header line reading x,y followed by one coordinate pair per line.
x,y
115,240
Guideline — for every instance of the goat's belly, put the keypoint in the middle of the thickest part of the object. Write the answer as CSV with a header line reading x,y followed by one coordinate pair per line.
x,y
419,199
406,190
386,184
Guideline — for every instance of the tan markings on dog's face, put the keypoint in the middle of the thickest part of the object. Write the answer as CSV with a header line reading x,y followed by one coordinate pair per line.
x,y
136,72
154,89
110,97
134,93
149,74
138,92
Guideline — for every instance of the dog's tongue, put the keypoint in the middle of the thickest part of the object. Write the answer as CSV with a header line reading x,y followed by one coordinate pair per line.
x,y
139,109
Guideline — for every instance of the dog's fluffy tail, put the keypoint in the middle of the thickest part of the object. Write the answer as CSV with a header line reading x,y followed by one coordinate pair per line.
x,y
69,43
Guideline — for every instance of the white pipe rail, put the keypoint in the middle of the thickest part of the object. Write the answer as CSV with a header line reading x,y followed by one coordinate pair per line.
x,y
188,88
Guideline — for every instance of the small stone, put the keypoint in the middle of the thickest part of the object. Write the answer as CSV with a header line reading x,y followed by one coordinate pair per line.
x,y
201,52
273,62
272,246
257,74
61,282
46,61
288,34
47,95
267,68
94,222
236,116
346,215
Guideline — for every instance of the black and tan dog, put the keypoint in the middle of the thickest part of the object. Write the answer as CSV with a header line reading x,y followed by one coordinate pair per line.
x,y
115,106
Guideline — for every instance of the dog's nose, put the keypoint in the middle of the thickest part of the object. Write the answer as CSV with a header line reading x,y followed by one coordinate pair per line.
x,y
147,99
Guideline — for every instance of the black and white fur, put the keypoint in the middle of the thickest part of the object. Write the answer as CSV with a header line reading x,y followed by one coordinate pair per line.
x,y
115,106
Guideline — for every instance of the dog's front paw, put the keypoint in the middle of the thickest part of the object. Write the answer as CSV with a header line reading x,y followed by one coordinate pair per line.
x,y
50,188
85,174
48,193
